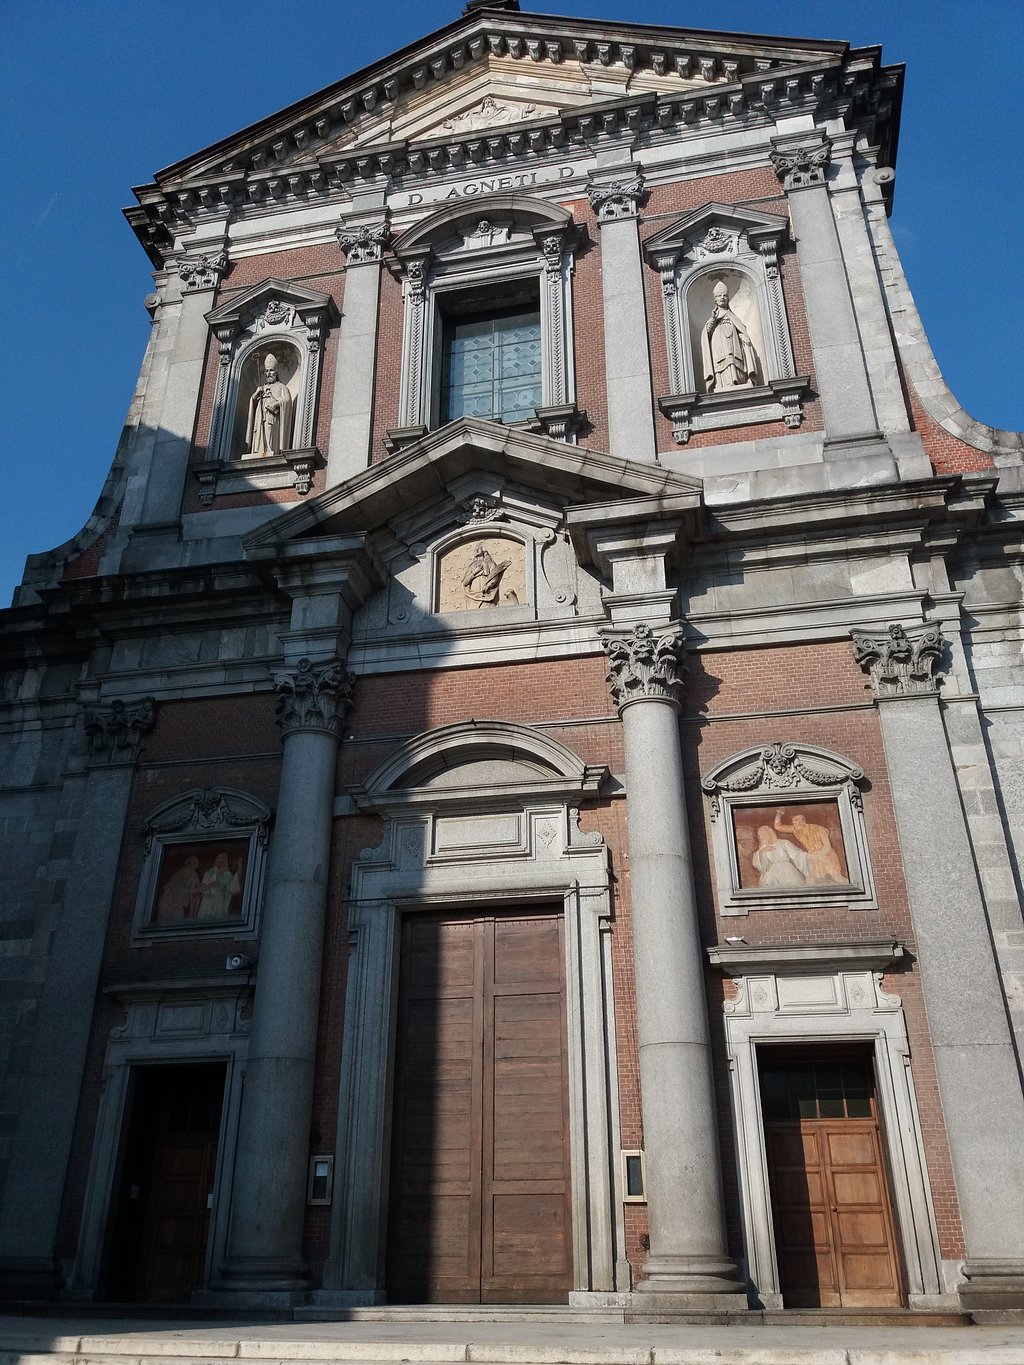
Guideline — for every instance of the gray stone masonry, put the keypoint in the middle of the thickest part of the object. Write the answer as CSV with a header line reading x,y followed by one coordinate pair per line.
x,y
269,1200
47,1088
839,366
974,1055
626,352
349,448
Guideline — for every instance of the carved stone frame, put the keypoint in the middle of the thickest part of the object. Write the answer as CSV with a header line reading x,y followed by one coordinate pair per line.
x,y
164,1024
533,240
714,238
290,315
815,1005
493,845
796,774
203,816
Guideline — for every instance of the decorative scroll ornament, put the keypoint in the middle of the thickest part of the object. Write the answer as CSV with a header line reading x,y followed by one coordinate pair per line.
x,y
202,272
799,167
619,199
276,314
364,244
714,242
313,697
644,665
207,810
114,732
901,663
783,767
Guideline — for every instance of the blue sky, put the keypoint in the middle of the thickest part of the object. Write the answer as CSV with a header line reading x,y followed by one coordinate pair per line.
x,y
99,94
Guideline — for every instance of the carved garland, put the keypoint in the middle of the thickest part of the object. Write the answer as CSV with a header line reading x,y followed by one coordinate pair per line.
x,y
780,767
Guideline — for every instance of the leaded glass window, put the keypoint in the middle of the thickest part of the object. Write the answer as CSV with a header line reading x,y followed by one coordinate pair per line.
x,y
492,365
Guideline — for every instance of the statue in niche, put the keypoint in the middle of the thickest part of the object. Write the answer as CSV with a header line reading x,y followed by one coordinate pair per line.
x,y
482,580
730,360
268,426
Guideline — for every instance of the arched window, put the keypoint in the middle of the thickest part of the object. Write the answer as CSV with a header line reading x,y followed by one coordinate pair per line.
x,y
488,316
729,352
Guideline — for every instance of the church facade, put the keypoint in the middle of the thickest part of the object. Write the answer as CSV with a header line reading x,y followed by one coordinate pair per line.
x,y
515,794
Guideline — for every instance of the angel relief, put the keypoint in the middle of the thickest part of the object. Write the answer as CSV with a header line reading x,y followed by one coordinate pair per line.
x,y
487,572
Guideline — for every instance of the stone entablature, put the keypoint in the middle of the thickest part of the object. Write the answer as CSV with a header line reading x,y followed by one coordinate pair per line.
x,y
667,84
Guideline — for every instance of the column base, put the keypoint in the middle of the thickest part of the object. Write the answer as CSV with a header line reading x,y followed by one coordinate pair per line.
x,y
264,1279
710,1277
992,1285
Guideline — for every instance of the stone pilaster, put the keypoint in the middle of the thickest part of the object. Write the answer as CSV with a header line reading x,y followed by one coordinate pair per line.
x,y
47,1090
198,274
626,348
975,1060
688,1266
851,424
264,1259
363,242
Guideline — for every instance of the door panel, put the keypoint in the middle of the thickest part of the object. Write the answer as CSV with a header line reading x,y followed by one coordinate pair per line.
x,y
480,1160
833,1221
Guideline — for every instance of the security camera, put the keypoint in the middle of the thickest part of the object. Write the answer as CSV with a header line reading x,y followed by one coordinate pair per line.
x,y
237,962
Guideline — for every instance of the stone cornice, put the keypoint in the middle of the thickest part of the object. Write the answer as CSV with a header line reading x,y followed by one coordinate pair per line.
x,y
803,959
293,157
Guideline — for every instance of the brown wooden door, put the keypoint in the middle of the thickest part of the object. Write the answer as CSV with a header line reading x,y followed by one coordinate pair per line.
x,y
833,1220
480,1195
162,1223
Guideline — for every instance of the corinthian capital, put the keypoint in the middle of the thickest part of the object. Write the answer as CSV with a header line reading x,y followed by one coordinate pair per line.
x,y
201,272
644,665
313,696
902,662
363,244
114,731
800,167
616,199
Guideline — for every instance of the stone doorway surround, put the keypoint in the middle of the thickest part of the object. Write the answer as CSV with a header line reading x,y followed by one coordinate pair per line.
x,y
476,814
829,994
164,1023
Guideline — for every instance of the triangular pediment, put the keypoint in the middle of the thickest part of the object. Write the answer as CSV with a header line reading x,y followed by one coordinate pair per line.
x,y
441,465
506,66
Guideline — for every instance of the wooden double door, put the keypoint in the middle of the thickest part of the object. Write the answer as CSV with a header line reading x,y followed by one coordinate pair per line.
x,y
834,1231
480,1182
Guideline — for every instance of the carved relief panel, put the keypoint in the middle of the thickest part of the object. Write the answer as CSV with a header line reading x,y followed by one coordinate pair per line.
x,y
482,573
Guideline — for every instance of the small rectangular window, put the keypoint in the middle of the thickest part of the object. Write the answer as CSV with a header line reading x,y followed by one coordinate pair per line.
x,y
633,1183
491,364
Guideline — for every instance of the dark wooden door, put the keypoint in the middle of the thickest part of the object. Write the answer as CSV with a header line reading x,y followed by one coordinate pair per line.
x,y
833,1220
480,1193
162,1223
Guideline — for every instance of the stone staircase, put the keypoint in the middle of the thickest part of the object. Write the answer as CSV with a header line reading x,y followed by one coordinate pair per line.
x,y
505,1336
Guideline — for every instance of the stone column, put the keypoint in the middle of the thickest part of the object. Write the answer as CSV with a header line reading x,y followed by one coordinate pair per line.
x,y
851,424
688,1266
627,356
979,1082
352,412
264,1260
168,465
46,1091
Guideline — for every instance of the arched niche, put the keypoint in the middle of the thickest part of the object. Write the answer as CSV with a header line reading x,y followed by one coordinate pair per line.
x,y
739,247
289,322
